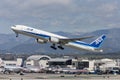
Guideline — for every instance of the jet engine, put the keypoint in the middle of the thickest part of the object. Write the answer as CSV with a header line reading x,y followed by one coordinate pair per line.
x,y
54,40
41,41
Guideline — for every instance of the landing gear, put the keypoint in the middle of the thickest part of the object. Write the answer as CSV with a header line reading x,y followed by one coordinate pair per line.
x,y
54,47
16,34
60,47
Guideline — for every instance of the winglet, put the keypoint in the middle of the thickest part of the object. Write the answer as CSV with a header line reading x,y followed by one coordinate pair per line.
x,y
96,43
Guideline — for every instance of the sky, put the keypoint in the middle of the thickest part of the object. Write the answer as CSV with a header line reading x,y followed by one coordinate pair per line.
x,y
60,15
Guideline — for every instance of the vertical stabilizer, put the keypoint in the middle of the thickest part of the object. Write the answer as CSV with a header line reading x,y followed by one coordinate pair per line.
x,y
96,43
23,63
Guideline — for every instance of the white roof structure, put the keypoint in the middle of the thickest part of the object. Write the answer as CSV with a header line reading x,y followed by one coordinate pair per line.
x,y
58,60
104,60
38,57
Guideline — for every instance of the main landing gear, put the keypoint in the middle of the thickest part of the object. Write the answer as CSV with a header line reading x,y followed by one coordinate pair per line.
x,y
54,47
60,47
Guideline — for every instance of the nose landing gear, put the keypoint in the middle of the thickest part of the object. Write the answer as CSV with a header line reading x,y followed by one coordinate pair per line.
x,y
16,34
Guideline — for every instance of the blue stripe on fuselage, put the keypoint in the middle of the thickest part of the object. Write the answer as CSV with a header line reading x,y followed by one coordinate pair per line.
x,y
82,43
46,36
36,34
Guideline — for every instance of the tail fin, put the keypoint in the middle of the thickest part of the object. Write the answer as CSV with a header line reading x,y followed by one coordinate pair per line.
x,y
96,43
23,63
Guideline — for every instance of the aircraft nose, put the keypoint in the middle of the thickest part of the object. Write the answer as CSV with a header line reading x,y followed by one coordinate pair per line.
x,y
13,27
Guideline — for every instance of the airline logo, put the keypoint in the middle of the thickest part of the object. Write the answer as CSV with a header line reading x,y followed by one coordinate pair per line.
x,y
99,40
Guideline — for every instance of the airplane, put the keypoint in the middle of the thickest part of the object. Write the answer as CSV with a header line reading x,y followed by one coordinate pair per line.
x,y
44,37
12,68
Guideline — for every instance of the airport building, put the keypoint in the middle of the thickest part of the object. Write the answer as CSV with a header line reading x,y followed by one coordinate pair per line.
x,y
40,61
17,62
104,64
61,63
118,62
43,61
85,64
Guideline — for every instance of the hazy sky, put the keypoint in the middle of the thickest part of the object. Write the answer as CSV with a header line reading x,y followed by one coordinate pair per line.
x,y
60,15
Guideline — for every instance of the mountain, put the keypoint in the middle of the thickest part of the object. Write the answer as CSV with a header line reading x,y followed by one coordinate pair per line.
x,y
23,44
7,41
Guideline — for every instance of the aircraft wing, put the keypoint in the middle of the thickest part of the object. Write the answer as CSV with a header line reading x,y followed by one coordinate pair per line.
x,y
64,41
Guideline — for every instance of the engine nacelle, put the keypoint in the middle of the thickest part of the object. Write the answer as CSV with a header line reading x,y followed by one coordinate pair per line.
x,y
41,41
54,40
